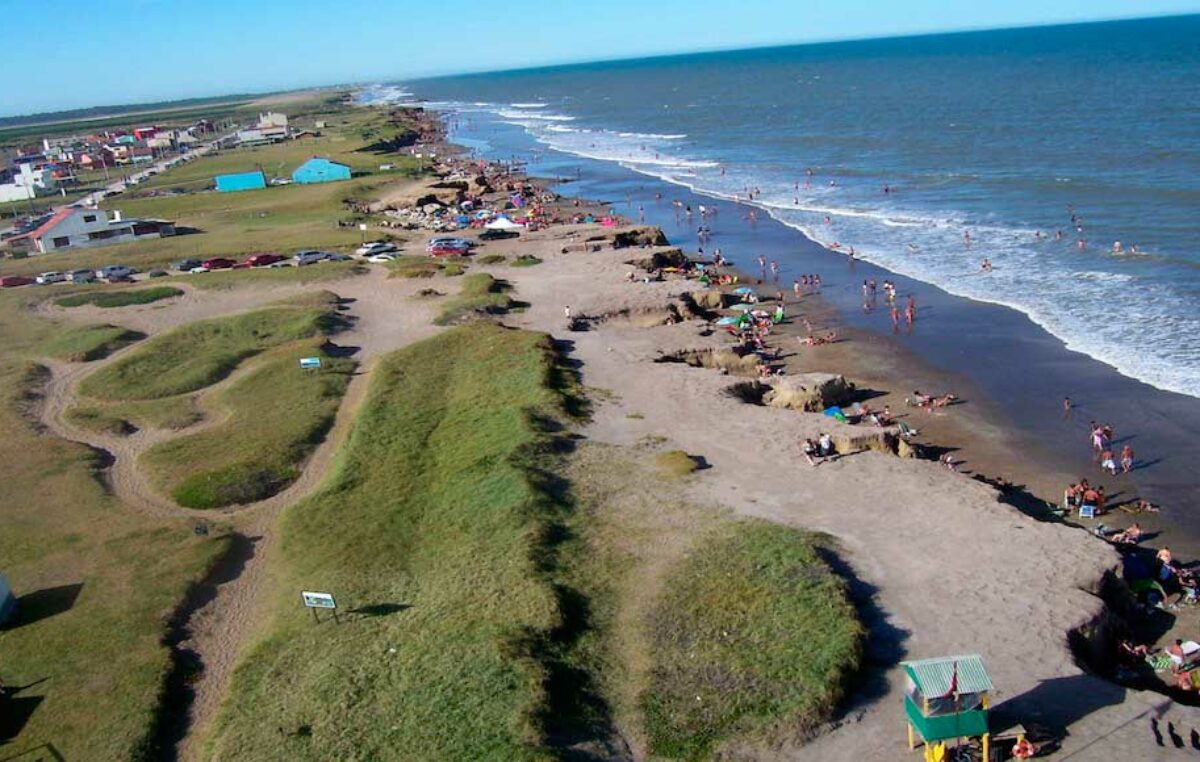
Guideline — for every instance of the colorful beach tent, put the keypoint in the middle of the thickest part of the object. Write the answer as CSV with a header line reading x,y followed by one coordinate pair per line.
x,y
729,320
742,306
743,290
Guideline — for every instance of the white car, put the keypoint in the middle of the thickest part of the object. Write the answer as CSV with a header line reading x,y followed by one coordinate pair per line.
x,y
51,277
382,259
375,247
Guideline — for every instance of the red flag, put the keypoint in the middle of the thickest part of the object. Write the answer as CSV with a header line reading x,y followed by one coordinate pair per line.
x,y
953,684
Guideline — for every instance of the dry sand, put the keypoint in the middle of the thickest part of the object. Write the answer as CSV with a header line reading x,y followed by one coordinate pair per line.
x,y
943,567
948,568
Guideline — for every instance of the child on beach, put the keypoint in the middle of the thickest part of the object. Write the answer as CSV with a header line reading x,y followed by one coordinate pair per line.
x,y
1107,463
1126,459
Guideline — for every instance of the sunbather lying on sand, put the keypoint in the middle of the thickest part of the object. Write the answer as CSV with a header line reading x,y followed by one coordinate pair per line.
x,y
816,341
1130,536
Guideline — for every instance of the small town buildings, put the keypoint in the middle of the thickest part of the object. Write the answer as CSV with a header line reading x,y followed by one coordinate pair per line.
x,y
26,180
241,181
320,170
271,127
79,227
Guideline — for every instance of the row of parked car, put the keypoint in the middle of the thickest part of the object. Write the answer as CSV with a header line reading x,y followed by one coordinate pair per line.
x,y
378,252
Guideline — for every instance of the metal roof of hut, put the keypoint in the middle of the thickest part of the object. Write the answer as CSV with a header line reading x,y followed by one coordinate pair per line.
x,y
933,677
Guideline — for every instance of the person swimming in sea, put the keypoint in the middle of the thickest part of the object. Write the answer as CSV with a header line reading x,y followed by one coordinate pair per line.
x,y
986,265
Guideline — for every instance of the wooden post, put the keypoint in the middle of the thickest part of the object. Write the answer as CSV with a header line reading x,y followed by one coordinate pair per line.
x,y
986,758
912,744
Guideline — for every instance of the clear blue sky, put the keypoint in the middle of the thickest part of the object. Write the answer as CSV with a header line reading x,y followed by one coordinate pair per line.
x,y
70,53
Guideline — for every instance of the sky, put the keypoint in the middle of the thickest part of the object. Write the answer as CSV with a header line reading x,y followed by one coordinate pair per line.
x,y
75,53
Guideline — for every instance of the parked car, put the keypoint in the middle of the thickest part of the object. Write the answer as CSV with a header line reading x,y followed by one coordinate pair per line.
x,y
310,257
12,281
334,257
382,259
51,277
157,274
262,260
219,263
375,247
447,250
498,235
449,241
186,265
82,276
115,271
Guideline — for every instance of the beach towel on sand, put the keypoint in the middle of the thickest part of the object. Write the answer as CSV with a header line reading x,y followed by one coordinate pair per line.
x,y
1159,662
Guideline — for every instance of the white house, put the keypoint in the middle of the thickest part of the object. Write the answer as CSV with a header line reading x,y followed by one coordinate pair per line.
x,y
76,227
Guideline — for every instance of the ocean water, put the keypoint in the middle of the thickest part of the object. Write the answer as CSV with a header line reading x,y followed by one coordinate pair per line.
x,y
1001,136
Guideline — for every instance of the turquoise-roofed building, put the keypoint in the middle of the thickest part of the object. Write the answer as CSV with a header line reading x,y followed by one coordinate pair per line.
x,y
320,170
241,181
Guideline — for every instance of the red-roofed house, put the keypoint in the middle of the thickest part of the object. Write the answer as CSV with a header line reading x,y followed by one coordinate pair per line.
x,y
77,227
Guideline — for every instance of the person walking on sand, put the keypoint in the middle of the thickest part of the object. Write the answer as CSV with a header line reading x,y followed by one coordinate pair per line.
x,y
1066,407
1126,459
910,310
1107,463
567,312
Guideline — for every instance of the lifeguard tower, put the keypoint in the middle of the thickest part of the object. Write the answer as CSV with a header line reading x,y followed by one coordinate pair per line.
x,y
946,698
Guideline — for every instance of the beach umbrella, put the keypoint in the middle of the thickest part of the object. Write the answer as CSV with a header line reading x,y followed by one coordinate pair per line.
x,y
743,290
742,306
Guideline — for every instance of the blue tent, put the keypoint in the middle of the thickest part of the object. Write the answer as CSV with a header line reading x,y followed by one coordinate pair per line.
x,y
241,181
319,170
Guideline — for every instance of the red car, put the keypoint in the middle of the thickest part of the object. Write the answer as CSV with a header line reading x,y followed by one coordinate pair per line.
x,y
262,260
220,263
447,250
9,281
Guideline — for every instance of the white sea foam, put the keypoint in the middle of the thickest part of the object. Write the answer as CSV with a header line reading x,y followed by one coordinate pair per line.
x,y
1146,330
528,105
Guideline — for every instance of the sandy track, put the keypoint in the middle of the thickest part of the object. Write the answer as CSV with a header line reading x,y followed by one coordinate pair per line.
x,y
384,317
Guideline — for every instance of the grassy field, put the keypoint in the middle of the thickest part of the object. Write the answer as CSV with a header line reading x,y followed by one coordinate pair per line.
x,y
200,354
283,219
479,294
109,299
276,416
90,342
431,534
96,581
753,639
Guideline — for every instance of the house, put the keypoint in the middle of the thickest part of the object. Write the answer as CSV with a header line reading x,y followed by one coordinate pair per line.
x,y
271,127
241,181
320,170
77,227
27,180
144,133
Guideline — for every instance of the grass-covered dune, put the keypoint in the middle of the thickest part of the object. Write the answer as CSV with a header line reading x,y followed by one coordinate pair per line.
x,y
202,353
277,415
109,299
432,534
753,639
90,342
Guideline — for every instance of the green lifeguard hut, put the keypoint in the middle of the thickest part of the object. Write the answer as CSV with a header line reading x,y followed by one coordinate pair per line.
x,y
947,698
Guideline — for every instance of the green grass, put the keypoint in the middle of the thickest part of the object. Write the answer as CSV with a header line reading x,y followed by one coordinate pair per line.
x,y
277,415
119,298
433,529
174,413
96,666
480,294
753,638
526,260
490,259
675,463
202,353
90,342
321,272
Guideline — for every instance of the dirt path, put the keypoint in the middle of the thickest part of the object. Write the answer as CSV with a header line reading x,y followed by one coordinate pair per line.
x,y
384,315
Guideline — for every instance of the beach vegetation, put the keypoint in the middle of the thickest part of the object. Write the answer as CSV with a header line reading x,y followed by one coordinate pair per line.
x,y
675,463
526,260
86,343
753,637
109,299
199,354
434,534
480,295
274,417
95,580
